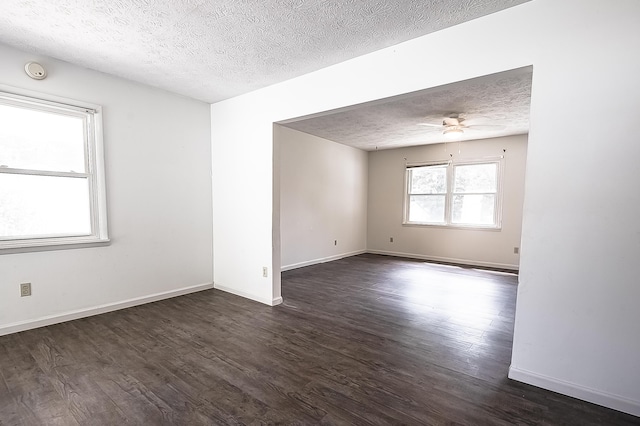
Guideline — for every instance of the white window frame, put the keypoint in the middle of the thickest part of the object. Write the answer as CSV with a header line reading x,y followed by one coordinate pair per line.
x,y
450,165
91,115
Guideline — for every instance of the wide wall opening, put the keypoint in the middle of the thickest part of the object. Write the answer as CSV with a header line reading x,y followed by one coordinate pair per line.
x,y
436,174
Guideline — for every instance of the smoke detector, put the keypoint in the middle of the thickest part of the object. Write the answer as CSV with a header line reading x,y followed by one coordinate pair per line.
x,y
35,70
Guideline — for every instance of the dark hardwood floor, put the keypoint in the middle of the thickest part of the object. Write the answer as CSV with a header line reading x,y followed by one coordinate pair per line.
x,y
364,340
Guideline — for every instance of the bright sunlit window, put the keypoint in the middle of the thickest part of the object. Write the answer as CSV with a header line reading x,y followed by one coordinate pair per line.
x,y
51,173
453,194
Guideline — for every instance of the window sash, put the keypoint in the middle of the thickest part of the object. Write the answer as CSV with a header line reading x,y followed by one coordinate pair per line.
x,y
44,207
443,197
411,170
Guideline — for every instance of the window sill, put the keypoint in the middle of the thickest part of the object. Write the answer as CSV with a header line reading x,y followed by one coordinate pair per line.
x,y
458,227
47,244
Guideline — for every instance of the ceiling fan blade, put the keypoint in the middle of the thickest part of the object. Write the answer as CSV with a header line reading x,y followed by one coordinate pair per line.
x,y
486,127
430,124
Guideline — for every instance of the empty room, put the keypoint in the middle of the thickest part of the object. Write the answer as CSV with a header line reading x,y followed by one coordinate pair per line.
x,y
297,212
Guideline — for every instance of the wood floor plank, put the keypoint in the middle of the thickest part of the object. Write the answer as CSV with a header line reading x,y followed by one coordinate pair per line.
x,y
36,400
9,412
365,340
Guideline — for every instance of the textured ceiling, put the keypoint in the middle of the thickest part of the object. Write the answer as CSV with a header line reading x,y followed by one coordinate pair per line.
x,y
215,49
501,99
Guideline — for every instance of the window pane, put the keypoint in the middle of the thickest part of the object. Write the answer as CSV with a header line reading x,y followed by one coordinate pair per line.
x,y
43,205
475,178
40,140
426,208
428,180
473,209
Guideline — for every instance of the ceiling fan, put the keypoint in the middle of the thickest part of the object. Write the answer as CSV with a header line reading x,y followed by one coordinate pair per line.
x,y
455,125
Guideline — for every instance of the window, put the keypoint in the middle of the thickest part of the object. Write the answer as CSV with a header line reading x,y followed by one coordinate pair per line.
x,y
51,173
453,194
427,194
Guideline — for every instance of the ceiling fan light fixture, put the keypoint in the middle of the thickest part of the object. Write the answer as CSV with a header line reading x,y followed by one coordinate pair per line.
x,y
453,132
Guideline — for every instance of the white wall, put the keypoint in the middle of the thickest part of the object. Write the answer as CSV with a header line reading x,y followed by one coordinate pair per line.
x,y
469,246
576,321
323,198
157,158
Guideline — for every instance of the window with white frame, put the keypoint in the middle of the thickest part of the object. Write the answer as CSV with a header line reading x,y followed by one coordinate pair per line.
x,y
453,194
52,190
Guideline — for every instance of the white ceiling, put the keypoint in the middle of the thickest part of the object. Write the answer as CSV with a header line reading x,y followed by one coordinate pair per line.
x,y
216,49
501,99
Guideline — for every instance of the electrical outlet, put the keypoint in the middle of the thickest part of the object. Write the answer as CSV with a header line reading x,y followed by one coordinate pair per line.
x,y
390,239
516,250
25,289
265,271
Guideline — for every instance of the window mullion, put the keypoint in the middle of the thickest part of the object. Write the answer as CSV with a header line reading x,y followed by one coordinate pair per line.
x,y
448,197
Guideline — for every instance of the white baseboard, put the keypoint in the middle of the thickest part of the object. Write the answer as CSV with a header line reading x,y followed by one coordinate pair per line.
x,y
605,399
267,301
508,266
100,309
320,260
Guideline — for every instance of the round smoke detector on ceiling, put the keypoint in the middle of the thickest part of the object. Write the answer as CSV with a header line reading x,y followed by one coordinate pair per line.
x,y
35,70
